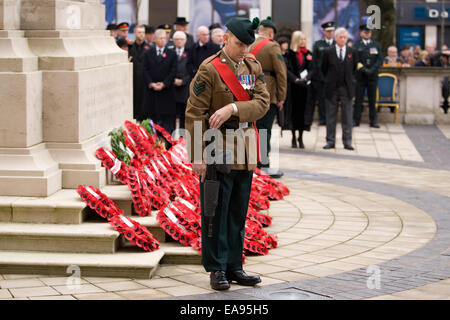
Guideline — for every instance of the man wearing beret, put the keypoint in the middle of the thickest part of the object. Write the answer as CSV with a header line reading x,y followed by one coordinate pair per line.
x,y
268,53
318,95
228,95
370,59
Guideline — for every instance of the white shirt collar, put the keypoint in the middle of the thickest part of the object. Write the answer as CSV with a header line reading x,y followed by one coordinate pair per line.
x,y
338,51
180,51
366,42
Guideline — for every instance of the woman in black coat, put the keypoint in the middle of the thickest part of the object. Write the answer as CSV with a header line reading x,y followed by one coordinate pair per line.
x,y
299,63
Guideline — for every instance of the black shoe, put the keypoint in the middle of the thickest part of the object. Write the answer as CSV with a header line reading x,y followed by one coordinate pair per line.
x,y
329,146
219,281
355,124
242,278
376,126
349,148
294,144
300,144
273,173
322,123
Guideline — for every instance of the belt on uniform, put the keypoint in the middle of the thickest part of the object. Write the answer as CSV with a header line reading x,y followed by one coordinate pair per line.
x,y
235,125
270,73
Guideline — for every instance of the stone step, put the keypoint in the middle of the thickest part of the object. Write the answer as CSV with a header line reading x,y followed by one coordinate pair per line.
x,y
84,238
131,263
63,207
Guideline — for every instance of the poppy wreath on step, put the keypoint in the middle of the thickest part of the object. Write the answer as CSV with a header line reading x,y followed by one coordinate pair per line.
x,y
266,189
259,202
98,202
186,215
140,136
170,224
135,233
149,196
280,187
253,232
109,160
136,185
263,219
165,134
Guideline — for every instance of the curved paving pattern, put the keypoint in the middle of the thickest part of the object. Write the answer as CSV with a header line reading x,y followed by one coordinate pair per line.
x,y
344,214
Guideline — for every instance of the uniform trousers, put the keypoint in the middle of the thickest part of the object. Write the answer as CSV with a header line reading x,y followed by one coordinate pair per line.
x,y
223,252
371,84
266,123
340,94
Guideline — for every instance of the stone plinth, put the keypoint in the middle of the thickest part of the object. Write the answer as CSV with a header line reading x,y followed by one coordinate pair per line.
x,y
67,85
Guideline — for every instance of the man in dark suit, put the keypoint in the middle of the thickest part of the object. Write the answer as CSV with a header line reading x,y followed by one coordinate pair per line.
x,y
202,50
183,78
339,65
181,24
136,54
160,68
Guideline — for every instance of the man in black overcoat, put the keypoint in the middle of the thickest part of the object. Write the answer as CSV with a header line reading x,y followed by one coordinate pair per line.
x,y
202,49
339,66
160,68
183,77
136,55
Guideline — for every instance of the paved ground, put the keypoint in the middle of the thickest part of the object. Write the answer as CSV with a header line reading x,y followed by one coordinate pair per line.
x,y
368,224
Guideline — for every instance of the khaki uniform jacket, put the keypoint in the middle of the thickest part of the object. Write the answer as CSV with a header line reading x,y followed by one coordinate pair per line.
x,y
208,93
274,67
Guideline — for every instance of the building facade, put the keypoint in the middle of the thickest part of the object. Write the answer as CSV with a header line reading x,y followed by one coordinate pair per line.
x,y
423,22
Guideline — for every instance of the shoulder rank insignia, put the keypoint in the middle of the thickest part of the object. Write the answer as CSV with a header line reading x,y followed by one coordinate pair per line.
x,y
199,86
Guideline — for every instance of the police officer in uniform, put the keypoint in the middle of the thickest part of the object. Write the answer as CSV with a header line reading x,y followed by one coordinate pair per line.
x,y
370,59
318,94
268,53
213,104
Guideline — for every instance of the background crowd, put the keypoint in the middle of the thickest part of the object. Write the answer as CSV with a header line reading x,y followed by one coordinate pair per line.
x,y
166,60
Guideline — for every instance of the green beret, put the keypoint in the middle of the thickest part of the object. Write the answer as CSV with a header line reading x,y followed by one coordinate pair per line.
x,y
268,23
243,29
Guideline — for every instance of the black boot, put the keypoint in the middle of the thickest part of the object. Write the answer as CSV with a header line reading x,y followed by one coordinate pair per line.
x,y
300,140
242,278
294,140
219,281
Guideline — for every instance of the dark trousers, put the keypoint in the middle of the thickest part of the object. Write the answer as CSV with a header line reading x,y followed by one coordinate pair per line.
x,y
168,122
223,252
371,85
317,97
181,114
266,123
341,94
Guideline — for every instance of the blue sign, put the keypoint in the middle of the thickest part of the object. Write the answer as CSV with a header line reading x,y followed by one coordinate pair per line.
x,y
410,37
430,13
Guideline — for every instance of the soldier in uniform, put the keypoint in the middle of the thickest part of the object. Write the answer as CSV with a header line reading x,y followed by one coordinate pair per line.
x,y
122,32
136,55
370,59
268,53
318,94
228,93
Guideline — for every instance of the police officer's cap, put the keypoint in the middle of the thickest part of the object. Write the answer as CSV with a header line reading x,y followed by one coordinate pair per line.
x,y
123,26
167,27
329,26
268,23
243,29
365,28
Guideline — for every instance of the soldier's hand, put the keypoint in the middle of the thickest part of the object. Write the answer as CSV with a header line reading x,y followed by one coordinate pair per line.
x,y
280,105
221,116
200,169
